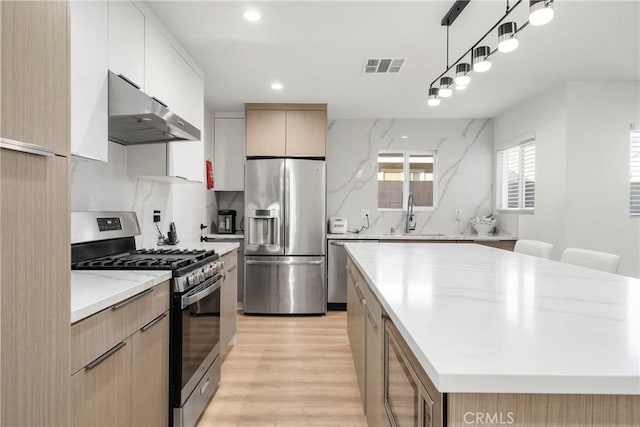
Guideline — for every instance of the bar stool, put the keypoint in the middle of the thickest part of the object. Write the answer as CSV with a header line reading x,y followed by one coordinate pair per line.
x,y
591,259
534,248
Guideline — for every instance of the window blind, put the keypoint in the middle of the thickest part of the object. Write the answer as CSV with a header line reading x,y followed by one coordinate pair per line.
x,y
634,173
517,177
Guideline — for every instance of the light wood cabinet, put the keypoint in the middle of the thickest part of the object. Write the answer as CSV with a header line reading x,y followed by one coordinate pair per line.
x,y
374,367
34,207
229,155
291,130
89,88
101,393
35,73
266,132
356,329
506,245
150,363
228,303
120,363
126,41
306,133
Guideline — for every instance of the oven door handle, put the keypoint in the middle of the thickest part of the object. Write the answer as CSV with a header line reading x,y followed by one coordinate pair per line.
x,y
187,300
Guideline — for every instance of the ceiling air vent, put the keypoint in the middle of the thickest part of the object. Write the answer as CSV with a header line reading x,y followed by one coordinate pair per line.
x,y
383,66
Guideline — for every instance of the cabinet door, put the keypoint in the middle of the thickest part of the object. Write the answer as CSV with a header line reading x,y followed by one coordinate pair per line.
x,y
89,89
229,154
228,308
356,330
126,41
194,98
163,69
306,133
34,70
374,370
34,296
266,132
150,373
101,392
401,387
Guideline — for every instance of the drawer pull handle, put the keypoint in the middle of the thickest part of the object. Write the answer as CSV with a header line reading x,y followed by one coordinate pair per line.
x,y
373,320
153,322
205,386
105,356
25,147
132,299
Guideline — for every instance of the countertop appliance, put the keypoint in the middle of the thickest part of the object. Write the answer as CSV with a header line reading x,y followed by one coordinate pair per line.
x,y
137,118
105,241
337,225
226,221
337,278
285,229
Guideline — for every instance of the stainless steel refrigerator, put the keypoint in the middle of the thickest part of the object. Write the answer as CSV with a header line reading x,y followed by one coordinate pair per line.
x,y
285,230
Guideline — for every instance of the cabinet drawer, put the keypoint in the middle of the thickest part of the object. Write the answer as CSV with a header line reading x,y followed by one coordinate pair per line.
x,y
153,304
230,260
373,306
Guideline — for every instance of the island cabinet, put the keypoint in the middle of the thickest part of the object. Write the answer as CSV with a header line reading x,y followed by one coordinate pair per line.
x,y
364,328
120,363
228,303
286,130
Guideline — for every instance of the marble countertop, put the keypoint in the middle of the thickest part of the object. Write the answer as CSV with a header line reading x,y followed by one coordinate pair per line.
x,y
484,320
237,236
94,290
492,237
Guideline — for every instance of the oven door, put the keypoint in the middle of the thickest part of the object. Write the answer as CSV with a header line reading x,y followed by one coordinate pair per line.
x,y
195,336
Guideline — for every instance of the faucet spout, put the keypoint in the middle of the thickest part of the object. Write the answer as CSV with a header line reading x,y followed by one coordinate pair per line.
x,y
409,225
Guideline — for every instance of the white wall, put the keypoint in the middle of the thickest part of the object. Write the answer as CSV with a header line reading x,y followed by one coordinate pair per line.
x,y
582,162
598,119
463,170
545,116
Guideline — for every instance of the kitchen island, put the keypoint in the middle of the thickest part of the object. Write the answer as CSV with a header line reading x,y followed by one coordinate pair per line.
x,y
498,336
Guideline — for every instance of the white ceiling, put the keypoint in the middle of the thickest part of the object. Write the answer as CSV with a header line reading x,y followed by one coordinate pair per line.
x,y
317,51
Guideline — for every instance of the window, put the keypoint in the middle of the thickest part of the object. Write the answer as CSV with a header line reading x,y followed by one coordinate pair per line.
x,y
517,177
634,171
403,173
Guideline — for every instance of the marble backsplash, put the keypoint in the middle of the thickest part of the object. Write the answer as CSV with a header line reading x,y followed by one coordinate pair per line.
x,y
464,171
106,186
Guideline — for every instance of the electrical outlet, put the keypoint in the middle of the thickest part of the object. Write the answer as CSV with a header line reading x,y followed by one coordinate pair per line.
x,y
364,213
458,214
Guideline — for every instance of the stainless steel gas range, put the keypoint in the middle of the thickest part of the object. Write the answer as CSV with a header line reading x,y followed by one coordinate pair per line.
x,y
105,240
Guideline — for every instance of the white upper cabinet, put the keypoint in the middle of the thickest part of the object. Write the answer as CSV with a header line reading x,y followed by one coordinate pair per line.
x,y
164,70
229,156
89,48
126,41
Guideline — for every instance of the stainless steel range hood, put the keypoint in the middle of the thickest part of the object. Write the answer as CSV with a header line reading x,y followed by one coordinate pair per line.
x,y
137,118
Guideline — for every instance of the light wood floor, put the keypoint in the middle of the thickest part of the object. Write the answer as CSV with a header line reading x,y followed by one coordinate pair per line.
x,y
288,371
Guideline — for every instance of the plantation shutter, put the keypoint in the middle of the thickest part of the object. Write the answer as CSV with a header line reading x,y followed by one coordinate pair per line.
x,y
634,172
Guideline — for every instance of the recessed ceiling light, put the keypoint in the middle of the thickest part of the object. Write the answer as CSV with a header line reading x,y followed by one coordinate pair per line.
x,y
276,86
404,137
252,15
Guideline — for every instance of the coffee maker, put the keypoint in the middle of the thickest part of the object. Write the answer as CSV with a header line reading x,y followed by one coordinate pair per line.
x,y
226,221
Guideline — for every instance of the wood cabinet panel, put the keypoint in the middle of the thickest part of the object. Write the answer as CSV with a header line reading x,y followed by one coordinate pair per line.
x,y
306,133
34,297
266,132
34,65
356,330
228,304
374,369
507,245
101,395
153,304
150,367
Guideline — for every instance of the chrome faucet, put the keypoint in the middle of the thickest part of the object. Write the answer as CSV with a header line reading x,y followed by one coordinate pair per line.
x,y
409,225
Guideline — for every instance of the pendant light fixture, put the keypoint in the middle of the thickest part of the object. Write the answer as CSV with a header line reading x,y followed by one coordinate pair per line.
x,y
540,12
480,60
507,37
433,100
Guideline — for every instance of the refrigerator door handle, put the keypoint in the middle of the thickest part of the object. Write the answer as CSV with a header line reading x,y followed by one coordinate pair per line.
x,y
287,206
254,262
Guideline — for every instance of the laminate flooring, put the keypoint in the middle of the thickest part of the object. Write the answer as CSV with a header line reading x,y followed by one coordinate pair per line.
x,y
288,371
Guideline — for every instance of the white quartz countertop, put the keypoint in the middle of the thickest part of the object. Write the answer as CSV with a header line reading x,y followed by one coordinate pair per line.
x,y
236,236
417,236
484,320
221,248
94,290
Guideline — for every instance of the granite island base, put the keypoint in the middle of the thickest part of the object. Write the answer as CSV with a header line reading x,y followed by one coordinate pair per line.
x,y
460,335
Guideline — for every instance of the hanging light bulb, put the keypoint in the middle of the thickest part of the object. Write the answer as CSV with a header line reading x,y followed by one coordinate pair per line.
x,y
540,12
433,100
445,87
480,60
507,38
462,74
